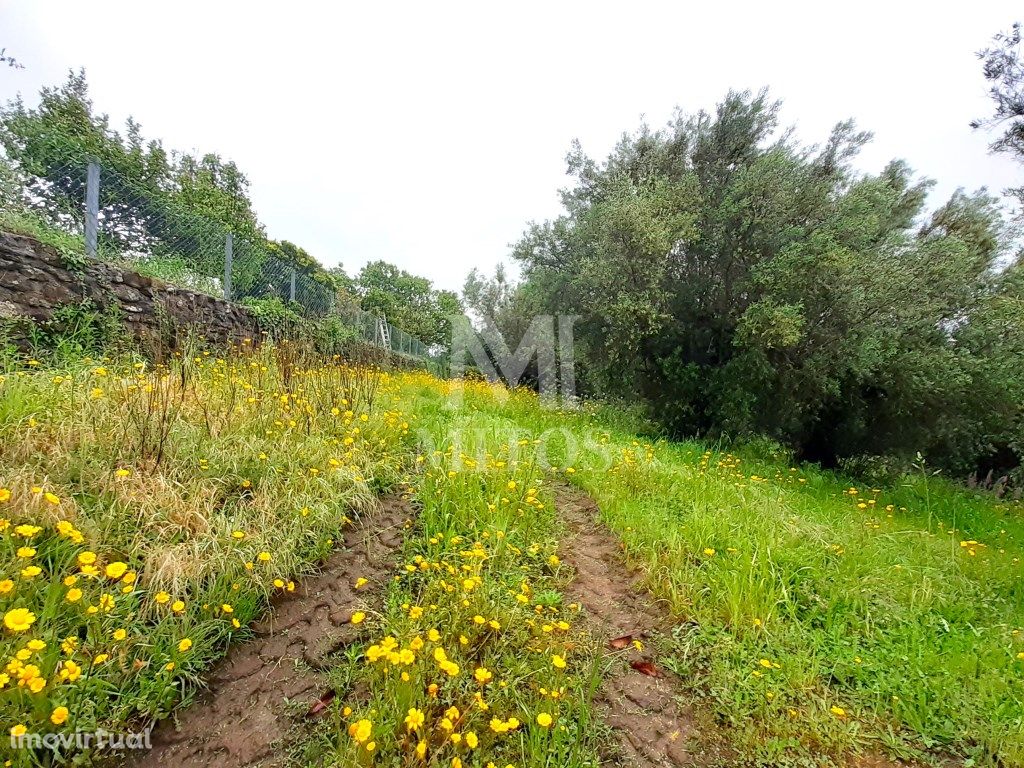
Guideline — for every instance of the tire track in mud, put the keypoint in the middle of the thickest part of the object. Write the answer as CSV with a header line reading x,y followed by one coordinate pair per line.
x,y
242,719
651,727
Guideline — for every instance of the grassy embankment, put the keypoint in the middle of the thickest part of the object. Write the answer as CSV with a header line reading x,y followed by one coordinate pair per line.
x,y
149,514
817,616
812,618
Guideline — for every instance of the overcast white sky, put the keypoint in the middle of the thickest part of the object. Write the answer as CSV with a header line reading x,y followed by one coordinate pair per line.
x,y
428,134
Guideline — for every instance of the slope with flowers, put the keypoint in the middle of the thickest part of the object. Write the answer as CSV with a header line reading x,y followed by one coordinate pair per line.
x,y
816,620
475,658
151,513
245,715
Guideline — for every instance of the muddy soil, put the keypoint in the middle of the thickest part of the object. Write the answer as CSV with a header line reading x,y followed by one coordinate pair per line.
x,y
651,726
247,711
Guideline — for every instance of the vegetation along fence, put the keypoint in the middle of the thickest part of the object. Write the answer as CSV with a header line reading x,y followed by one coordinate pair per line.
x,y
140,226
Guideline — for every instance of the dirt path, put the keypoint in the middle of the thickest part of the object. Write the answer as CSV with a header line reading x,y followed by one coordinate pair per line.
x,y
243,718
651,727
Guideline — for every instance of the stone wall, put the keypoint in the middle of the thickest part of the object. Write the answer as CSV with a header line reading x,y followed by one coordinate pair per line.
x,y
35,280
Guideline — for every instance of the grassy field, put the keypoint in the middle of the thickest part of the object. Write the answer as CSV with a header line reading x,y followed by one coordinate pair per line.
x,y
475,659
815,617
819,614
150,514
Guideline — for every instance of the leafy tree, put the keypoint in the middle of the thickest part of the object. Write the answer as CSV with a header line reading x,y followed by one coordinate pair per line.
x,y
740,283
503,311
297,255
216,189
1004,70
153,202
147,204
10,61
53,141
407,301
492,301
10,186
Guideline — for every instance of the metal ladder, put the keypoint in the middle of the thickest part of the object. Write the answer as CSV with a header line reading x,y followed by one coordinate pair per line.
x,y
383,331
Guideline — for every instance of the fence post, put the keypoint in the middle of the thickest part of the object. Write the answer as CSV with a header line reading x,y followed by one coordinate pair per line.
x,y
229,248
291,289
92,207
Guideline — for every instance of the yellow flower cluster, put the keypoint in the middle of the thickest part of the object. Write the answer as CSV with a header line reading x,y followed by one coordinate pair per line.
x,y
113,574
477,659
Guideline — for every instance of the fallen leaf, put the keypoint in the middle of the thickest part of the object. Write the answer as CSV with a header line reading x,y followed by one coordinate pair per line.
x,y
646,668
621,642
321,704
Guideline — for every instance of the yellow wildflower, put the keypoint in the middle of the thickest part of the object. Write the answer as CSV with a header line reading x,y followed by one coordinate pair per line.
x,y
361,730
414,719
19,619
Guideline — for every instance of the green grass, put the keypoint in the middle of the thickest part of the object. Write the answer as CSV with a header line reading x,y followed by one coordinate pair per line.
x,y
213,483
480,583
815,616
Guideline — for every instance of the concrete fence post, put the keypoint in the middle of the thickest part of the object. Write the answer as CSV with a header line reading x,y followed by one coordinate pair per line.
x,y
92,207
291,288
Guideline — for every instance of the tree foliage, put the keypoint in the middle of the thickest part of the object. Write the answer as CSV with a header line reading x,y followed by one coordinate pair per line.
x,y
10,61
181,205
152,200
499,305
1004,70
407,301
742,283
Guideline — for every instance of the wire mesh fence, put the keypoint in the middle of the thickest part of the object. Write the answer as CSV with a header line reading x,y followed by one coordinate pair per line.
x,y
139,225
383,334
